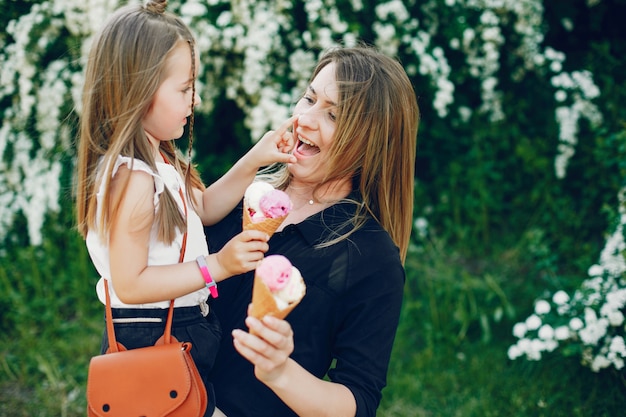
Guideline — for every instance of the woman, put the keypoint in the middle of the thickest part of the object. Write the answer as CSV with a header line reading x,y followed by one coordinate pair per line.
x,y
348,233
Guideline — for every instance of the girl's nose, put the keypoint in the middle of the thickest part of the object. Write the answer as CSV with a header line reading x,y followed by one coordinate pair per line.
x,y
196,99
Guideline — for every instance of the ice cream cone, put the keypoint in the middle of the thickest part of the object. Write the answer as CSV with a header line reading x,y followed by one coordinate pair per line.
x,y
268,226
263,302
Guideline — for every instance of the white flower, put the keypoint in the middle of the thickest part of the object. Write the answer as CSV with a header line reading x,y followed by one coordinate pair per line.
x,y
576,324
556,66
514,352
534,350
192,9
600,362
542,307
615,317
421,225
524,344
590,316
562,333
616,299
593,332
595,270
550,345
533,322
546,332
519,330
560,297
617,346
617,362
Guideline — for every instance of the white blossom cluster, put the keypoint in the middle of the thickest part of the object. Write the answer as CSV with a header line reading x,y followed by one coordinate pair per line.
x,y
34,133
591,321
581,90
260,57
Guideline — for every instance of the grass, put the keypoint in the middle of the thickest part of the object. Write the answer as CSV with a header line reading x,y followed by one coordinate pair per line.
x,y
449,358
475,379
450,355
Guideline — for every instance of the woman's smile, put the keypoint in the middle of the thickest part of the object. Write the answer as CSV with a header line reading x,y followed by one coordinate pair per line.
x,y
305,147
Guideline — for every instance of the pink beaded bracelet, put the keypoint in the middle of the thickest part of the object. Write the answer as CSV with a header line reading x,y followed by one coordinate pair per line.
x,y
204,269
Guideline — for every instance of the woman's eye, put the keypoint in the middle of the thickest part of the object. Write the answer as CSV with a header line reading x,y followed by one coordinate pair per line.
x,y
332,116
308,99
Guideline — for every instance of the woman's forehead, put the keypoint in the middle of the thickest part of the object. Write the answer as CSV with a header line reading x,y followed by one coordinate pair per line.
x,y
324,85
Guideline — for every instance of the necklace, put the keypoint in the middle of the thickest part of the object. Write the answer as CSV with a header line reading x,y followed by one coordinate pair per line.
x,y
306,203
309,201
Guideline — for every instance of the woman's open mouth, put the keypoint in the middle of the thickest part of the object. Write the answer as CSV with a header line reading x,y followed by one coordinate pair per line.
x,y
306,148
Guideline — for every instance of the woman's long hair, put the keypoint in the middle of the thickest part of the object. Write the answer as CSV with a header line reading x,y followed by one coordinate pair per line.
x,y
127,64
375,139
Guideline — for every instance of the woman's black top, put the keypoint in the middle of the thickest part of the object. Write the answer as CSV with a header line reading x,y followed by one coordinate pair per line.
x,y
343,328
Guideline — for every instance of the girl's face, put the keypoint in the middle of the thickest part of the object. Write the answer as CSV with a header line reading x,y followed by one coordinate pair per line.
x,y
314,129
171,105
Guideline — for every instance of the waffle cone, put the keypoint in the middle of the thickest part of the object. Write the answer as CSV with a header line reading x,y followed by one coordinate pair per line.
x,y
263,302
268,226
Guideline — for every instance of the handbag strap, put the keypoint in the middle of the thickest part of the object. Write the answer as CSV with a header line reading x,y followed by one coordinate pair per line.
x,y
167,334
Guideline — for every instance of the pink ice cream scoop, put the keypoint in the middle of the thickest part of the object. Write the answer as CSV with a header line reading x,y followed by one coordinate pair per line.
x,y
275,271
275,203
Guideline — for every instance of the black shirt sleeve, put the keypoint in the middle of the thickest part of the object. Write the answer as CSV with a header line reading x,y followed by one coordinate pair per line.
x,y
367,313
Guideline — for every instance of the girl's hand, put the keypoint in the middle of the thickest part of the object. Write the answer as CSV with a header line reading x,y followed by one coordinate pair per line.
x,y
243,252
274,146
269,349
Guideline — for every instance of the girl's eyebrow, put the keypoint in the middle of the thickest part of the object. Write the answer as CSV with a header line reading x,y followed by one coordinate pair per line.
x,y
186,83
330,102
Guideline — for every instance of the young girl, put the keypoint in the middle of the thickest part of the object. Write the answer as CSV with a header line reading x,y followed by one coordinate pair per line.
x,y
133,205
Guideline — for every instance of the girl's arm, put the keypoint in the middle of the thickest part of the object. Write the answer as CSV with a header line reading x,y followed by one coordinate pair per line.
x,y
303,392
135,282
223,195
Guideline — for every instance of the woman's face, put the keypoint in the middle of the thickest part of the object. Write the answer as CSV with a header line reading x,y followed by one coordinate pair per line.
x,y
314,129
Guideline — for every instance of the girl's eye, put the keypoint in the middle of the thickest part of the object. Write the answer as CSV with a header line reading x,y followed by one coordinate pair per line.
x,y
308,99
332,116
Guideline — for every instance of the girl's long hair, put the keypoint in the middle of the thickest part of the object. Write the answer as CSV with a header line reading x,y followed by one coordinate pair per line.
x,y
126,66
375,140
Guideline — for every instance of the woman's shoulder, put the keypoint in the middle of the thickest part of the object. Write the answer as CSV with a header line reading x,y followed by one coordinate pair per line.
x,y
373,240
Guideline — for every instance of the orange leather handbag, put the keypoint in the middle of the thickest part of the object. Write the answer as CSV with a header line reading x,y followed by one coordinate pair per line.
x,y
154,381
159,380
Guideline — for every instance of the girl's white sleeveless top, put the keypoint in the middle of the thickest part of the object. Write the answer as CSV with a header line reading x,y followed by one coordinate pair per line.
x,y
159,253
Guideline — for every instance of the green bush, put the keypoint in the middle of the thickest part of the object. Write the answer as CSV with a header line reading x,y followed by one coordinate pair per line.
x,y
520,162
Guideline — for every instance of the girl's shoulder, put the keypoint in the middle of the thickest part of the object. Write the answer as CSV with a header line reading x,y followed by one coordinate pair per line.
x,y
131,164
124,165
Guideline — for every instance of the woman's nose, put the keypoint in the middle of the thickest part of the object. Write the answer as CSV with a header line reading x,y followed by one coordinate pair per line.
x,y
196,99
308,119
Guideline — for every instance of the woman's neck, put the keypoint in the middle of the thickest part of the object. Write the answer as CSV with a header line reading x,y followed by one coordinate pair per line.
x,y
307,202
305,193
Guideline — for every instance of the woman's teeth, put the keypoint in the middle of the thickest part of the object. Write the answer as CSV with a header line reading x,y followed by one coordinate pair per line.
x,y
306,142
306,147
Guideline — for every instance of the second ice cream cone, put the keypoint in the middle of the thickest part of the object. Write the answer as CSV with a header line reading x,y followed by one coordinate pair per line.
x,y
264,303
